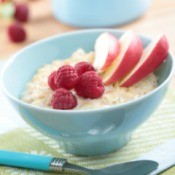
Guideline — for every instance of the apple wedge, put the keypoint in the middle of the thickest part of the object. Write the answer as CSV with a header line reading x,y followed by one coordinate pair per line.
x,y
153,56
106,50
130,52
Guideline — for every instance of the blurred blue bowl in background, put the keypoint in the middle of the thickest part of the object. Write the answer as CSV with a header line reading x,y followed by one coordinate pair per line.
x,y
98,13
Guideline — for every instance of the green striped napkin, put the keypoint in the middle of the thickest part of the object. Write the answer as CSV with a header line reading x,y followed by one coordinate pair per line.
x,y
159,128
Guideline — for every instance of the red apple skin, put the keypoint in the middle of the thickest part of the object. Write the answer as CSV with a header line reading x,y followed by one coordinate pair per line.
x,y
114,48
113,51
154,60
129,60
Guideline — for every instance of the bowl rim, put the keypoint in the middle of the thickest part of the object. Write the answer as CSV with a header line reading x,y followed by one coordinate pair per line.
x,y
106,108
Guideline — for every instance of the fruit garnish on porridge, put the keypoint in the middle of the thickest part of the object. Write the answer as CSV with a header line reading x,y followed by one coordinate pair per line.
x,y
66,77
63,99
117,71
82,79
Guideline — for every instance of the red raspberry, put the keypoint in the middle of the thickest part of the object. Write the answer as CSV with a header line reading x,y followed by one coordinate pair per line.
x,y
1,1
63,99
51,82
66,77
21,12
4,1
83,67
90,85
16,32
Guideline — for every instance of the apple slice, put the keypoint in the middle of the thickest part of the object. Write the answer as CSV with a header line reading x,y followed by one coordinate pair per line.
x,y
153,56
130,52
106,50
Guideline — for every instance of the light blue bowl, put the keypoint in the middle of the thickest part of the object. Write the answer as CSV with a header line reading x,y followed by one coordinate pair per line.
x,y
98,13
84,132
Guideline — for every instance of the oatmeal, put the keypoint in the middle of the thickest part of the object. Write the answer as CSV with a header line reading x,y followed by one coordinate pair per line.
x,y
38,92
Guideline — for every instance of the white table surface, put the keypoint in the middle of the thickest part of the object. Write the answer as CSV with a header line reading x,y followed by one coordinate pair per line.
x,y
9,119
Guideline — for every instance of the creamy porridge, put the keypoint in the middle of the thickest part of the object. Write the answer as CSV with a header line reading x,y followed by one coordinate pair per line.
x,y
39,93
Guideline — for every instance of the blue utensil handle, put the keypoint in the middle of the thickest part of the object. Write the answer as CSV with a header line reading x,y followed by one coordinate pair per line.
x,y
24,160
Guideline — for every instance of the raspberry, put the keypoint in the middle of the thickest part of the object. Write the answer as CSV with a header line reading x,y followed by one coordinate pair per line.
x,y
16,32
89,85
51,82
83,67
63,99
2,1
21,12
66,77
